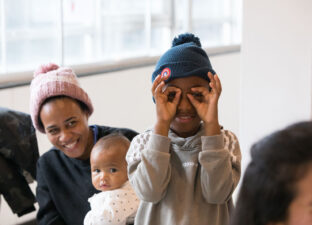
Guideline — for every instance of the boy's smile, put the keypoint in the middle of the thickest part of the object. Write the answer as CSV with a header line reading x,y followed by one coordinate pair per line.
x,y
186,122
184,118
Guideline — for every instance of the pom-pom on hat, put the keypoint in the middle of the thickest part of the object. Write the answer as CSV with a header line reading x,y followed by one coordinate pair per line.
x,y
185,58
49,81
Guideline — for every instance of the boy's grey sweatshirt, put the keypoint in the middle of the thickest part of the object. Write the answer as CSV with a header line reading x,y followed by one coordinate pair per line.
x,y
184,181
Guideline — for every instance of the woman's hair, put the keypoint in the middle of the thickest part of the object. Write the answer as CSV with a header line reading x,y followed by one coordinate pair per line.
x,y
82,106
278,161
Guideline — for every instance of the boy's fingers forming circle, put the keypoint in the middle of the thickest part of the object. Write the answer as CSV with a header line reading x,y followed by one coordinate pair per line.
x,y
159,88
218,83
203,90
215,84
212,83
177,96
194,102
210,76
156,83
167,89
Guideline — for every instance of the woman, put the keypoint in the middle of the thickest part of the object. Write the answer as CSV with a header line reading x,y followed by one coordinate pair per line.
x,y
60,108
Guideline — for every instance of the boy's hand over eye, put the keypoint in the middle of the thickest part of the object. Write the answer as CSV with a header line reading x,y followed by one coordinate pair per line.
x,y
207,108
166,99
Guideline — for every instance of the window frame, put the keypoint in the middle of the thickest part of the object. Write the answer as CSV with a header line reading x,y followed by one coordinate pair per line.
x,y
14,79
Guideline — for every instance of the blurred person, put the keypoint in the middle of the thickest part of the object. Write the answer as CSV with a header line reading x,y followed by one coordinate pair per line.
x,y
277,184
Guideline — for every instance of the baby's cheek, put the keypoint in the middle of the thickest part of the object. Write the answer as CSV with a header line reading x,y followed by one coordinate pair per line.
x,y
95,181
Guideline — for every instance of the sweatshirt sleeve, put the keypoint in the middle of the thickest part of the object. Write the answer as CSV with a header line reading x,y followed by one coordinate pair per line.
x,y
47,214
149,168
220,166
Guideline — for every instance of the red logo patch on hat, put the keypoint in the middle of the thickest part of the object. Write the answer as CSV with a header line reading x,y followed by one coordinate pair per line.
x,y
165,73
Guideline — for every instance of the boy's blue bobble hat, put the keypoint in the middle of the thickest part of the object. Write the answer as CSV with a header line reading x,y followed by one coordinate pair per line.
x,y
185,58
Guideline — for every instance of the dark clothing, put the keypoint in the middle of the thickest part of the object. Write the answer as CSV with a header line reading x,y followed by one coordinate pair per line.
x,y
18,156
64,184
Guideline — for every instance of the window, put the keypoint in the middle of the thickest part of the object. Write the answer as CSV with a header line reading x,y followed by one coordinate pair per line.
x,y
77,32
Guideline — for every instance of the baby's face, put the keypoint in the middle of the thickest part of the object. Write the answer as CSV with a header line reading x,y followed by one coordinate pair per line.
x,y
108,168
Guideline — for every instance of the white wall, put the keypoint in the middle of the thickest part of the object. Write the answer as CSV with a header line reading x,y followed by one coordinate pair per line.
x,y
276,67
124,99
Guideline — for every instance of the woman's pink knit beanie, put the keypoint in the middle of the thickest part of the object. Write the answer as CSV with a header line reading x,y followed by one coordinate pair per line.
x,y
50,80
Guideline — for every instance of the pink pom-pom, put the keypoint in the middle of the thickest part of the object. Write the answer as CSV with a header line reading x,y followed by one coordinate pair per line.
x,y
46,68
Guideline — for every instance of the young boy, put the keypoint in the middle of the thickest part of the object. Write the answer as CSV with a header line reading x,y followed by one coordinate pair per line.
x,y
186,168
117,203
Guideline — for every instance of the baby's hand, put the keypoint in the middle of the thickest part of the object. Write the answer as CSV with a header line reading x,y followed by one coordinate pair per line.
x,y
166,99
207,108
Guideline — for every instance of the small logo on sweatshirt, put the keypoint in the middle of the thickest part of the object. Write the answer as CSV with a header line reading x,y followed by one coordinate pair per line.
x,y
189,164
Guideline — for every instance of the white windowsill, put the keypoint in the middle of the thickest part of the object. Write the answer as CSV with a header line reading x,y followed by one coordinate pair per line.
x,y
16,79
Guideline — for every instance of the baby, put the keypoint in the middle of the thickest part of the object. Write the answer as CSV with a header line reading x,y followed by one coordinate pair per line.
x,y
117,202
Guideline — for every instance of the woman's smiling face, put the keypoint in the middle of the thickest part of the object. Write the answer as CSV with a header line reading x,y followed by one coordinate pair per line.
x,y
66,126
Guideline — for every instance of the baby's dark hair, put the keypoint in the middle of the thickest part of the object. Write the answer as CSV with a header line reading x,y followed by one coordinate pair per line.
x,y
112,139
278,162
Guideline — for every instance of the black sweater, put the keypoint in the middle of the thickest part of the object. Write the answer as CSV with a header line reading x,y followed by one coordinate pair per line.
x,y
64,185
